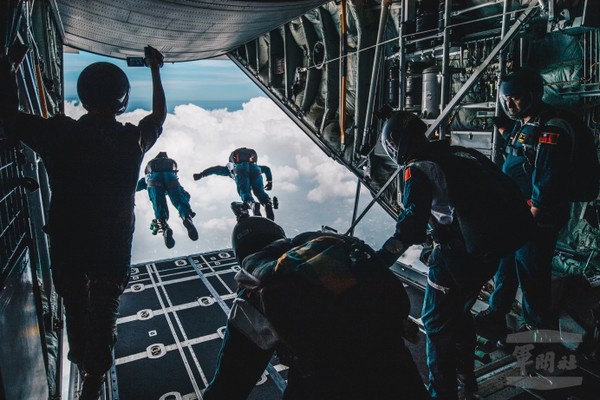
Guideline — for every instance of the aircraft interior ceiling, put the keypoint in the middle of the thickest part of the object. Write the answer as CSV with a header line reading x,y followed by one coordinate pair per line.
x,y
183,30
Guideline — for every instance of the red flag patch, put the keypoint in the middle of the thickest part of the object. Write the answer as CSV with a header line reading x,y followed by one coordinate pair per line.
x,y
406,174
548,138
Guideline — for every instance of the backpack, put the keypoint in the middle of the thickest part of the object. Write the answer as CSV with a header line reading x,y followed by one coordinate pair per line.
x,y
327,293
491,213
161,165
583,183
326,261
243,154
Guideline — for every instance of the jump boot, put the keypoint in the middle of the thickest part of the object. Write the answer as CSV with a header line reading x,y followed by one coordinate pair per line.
x,y
92,387
256,210
239,210
249,204
154,227
167,233
492,322
191,229
269,211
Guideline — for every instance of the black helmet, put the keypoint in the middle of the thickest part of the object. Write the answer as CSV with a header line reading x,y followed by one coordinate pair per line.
x,y
252,234
525,84
403,135
162,154
103,87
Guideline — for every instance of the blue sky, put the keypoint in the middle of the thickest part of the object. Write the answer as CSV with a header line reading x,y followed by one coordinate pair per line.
x,y
213,109
208,83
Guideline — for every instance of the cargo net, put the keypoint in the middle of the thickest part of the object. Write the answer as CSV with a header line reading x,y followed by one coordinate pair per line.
x,y
13,210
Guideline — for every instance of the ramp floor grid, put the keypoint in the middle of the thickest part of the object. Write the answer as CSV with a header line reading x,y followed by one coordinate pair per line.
x,y
173,316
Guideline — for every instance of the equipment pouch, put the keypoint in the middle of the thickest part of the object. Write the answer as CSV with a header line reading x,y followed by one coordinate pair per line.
x,y
253,324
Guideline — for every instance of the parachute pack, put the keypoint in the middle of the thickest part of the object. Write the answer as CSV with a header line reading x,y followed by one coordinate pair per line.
x,y
326,291
325,261
492,214
161,165
243,154
584,169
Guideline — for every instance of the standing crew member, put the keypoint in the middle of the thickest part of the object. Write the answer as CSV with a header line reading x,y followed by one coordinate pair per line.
x,y
538,154
456,271
93,165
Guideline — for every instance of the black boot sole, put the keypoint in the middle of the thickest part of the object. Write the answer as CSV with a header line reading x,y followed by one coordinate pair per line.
x,y
168,236
191,229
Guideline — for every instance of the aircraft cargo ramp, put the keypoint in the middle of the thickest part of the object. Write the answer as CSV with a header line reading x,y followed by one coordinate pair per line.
x,y
173,316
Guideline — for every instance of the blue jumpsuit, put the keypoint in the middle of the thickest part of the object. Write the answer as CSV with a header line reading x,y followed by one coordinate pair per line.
x,y
161,184
248,179
454,281
537,158
505,279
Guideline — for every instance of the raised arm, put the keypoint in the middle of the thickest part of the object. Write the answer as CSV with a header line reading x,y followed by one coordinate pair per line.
x,y
159,102
216,170
151,125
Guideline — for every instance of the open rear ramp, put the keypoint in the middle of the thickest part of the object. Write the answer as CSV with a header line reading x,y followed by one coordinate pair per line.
x,y
173,316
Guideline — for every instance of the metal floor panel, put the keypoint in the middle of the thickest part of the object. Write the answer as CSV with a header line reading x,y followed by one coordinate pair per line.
x,y
173,316
497,364
171,327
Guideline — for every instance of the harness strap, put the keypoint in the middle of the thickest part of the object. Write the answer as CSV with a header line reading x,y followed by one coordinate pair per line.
x,y
441,288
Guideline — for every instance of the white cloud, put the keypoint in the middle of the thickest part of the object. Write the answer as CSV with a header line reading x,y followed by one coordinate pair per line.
x,y
333,182
288,187
219,224
313,189
74,109
288,172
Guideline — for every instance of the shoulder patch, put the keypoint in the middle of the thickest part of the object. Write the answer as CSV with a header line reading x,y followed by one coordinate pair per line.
x,y
548,138
407,174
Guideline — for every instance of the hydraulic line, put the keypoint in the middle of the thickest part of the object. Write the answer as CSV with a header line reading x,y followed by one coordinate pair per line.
x,y
41,91
343,68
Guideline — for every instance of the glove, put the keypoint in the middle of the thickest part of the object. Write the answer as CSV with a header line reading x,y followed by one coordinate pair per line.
x,y
391,250
198,176
153,57
269,185
394,246
502,122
